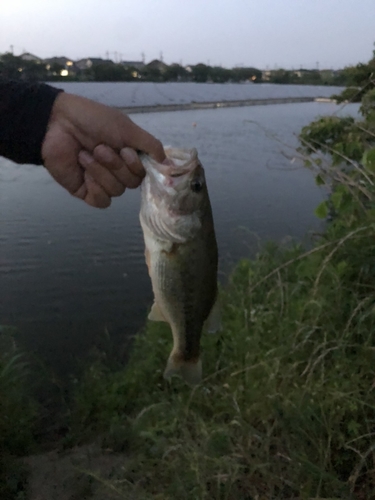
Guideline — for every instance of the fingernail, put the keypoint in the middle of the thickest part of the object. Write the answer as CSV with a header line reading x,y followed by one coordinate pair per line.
x,y
168,162
85,157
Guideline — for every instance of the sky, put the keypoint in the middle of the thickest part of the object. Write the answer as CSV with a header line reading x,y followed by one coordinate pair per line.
x,y
260,33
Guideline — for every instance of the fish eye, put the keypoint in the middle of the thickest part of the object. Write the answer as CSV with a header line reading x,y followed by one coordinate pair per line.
x,y
196,185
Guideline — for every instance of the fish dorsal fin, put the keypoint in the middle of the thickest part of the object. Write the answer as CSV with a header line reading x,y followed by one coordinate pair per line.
x,y
213,322
156,314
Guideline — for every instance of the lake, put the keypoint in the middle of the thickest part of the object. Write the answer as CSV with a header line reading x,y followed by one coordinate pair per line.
x,y
70,272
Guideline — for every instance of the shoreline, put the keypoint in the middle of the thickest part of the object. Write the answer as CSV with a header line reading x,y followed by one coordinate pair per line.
x,y
158,108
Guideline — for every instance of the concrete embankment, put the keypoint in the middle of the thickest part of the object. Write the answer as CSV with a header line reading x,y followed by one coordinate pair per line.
x,y
221,104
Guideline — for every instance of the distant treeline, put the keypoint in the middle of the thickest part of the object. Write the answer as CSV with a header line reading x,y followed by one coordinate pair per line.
x,y
30,67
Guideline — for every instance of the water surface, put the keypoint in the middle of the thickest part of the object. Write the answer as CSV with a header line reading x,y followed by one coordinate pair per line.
x,y
127,94
68,271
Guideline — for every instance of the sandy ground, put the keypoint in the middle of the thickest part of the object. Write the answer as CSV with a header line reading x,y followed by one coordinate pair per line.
x,y
66,475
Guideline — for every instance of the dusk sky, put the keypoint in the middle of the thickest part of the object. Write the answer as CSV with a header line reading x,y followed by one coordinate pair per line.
x,y
260,33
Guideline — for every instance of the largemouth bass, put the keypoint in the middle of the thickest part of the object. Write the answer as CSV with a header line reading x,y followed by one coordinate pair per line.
x,y
181,255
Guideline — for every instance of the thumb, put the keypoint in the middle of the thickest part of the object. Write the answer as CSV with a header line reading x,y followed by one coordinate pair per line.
x,y
140,140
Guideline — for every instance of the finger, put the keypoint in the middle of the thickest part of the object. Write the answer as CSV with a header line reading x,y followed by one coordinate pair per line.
x,y
101,175
96,196
138,139
133,162
108,157
118,166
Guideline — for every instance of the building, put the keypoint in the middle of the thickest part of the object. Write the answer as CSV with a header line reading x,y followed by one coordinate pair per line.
x,y
266,75
156,64
89,62
26,56
133,64
61,65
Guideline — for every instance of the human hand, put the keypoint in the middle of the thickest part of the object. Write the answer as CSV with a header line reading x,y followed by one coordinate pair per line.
x,y
90,148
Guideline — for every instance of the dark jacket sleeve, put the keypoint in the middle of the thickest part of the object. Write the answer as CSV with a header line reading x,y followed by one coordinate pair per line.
x,y
24,113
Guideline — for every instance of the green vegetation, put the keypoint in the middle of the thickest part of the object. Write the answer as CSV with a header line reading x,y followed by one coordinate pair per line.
x,y
286,409
17,417
307,77
360,79
28,67
287,406
16,67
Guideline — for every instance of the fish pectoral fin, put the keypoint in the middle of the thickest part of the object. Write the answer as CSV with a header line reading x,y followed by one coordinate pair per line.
x,y
213,322
156,314
190,371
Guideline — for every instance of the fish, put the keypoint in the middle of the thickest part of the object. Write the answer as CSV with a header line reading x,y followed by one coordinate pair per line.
x,y
181,255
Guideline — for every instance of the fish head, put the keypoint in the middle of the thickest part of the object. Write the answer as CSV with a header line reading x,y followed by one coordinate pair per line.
x,y
175,193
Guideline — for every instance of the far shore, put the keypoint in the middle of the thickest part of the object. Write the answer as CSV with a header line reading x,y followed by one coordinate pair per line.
x,y
219,104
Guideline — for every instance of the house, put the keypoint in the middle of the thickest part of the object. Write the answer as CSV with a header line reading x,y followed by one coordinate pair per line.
x,y
89,62
61,65
156,64
26,56
266,75
133,64
301,72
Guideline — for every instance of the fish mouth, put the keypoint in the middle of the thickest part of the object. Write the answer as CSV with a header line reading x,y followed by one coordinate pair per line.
x,y
179,164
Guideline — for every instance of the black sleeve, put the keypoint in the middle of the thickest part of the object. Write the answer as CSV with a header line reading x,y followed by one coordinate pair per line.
x,y
24,113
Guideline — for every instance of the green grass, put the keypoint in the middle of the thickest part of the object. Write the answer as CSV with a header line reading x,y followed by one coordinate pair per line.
x,y
17,417
287,406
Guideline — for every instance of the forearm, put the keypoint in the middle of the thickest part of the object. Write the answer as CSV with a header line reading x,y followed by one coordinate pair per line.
x,y
24,114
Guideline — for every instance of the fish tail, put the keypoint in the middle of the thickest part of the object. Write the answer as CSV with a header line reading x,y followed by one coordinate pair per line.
x,y
190,371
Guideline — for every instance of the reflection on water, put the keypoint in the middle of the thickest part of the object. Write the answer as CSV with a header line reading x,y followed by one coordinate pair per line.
x,y
68,271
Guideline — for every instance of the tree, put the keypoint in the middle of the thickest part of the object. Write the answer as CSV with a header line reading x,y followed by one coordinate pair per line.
x,y
200,73
11,66
174,73
360,79
151,74
280,76
108,72
219,74
350,144
55,69
246,74
15,68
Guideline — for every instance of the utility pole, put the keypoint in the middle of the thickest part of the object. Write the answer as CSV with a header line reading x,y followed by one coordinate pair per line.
x,y
11,49
161,56
143,57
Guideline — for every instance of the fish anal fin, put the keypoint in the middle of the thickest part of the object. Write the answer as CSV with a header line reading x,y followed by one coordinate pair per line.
x,y
156,314
190,371
213,322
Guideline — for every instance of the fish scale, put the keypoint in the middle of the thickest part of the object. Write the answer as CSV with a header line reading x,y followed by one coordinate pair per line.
x,y
181,253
